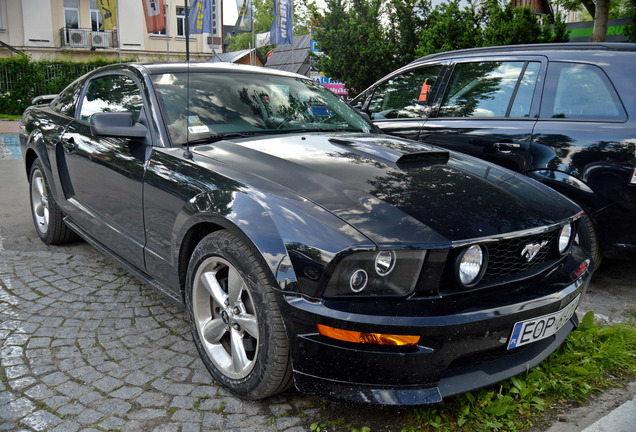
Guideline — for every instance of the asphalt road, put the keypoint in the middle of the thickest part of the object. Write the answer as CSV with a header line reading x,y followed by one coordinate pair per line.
x,y
83,345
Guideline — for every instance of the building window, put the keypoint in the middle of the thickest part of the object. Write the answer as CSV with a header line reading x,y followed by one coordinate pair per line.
x,y
96,17
71,13
181,21
165,18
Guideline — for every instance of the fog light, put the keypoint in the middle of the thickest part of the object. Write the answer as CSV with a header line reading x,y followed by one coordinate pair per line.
x,y
384,262
565,236
358,280
367,338
470,265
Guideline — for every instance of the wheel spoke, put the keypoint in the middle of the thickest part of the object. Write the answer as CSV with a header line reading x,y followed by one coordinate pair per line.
x,y
39,184
248,323
213,330
38,209
213,288
239,357
234,286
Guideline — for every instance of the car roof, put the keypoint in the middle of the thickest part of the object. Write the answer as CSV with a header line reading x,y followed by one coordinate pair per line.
x,y
532,48
159,68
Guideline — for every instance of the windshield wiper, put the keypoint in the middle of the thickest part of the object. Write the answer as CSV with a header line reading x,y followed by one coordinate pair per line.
x,y
218,137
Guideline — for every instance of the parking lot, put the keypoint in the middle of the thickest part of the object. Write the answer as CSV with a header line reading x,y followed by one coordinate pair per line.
x,y
85,346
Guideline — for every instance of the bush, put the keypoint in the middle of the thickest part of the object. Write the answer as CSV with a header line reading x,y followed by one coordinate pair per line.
x,y
22,79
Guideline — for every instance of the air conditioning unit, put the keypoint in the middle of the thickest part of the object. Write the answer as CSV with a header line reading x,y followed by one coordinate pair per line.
x,y
75,37
99,40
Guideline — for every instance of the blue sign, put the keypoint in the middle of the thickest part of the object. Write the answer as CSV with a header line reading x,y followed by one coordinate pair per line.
x,y
281,31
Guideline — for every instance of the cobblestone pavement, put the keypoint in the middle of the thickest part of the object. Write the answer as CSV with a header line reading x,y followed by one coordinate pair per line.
x,y
87,347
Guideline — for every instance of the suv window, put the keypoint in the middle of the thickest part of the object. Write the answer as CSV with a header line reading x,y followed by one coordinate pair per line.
x,y
404,96
490,89
579,91
111,93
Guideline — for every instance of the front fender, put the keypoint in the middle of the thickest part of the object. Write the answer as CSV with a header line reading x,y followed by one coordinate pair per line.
x,y
278,228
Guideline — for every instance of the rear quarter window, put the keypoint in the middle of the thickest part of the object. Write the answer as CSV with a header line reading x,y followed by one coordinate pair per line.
x,y
580,92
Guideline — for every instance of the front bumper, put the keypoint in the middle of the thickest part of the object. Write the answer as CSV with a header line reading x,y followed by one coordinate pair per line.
x,y
463,344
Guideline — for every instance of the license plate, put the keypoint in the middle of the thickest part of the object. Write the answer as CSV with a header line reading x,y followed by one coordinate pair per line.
x,y
532,330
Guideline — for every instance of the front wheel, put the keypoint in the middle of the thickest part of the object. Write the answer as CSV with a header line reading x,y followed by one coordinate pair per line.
x,y
234,318
588,239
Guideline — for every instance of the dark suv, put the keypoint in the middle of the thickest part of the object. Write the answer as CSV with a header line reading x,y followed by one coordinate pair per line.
x,y
563,114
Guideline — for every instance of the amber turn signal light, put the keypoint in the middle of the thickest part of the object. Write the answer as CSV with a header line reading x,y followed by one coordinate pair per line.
x,y
369,338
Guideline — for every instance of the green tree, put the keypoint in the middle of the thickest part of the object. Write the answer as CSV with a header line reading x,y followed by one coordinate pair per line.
x,y
598,10
303,17
450,28
628,10
407,20
507,25
263,20
355,43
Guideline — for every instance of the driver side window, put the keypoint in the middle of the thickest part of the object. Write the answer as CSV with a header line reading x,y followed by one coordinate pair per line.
x,y
111,93
407,95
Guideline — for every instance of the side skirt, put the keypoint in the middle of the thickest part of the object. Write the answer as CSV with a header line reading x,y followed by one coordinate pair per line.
x,y
138,273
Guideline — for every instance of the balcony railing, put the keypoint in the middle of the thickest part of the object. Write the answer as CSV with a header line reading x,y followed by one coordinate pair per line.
x,y
88,39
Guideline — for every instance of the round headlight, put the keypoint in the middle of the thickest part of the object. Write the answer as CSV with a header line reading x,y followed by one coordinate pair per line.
x,y
358,280
470,265
565,236
384,262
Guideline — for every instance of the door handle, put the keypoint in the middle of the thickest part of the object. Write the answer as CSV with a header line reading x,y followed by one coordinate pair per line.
x,y
505,147
69,143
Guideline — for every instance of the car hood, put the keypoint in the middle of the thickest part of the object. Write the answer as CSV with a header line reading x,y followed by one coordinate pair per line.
x,y
398,191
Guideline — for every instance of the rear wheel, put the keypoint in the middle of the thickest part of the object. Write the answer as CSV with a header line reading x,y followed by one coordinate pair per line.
x,y
234,318
47,216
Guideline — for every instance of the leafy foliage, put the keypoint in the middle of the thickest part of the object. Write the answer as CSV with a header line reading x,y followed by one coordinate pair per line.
x,y
355,43
590,359
24,79
629,10
363,40
450,28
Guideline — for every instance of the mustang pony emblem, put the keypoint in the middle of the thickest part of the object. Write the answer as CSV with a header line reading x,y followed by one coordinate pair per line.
x,y
532,249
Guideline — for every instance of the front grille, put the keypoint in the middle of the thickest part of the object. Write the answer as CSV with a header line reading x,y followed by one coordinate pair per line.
x,y
506,263
505,257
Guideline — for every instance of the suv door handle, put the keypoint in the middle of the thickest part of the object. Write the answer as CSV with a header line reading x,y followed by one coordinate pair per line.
x,y
69,143
505,147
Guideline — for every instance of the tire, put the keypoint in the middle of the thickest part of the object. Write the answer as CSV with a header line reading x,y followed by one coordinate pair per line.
x,y
235,320
588,239
47,216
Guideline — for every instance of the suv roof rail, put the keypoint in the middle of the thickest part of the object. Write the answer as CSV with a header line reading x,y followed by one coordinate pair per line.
x,y
610,46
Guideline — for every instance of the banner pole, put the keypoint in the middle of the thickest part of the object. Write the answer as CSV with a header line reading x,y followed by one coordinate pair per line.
x,y
118,32
253,54
187,31
166,14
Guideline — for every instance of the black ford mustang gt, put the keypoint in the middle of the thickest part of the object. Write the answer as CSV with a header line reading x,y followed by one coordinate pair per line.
x,y
305,246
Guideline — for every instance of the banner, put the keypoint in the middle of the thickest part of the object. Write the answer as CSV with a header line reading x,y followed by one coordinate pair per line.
x,y
244,21
199,17
155,17
282,28
108,10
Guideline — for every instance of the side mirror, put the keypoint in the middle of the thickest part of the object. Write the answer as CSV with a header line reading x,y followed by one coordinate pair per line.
x,y
117,124
365,115
43,99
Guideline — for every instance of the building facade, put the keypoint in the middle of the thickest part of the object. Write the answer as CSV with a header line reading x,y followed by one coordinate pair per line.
x,y
48,29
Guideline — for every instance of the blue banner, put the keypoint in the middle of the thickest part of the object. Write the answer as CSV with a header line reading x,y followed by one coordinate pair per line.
x,y
282,28
199,17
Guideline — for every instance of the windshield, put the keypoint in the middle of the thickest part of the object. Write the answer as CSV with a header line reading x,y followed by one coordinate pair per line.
x,y
223,104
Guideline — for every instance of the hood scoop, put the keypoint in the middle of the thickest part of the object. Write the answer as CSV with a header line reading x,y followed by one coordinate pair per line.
x,y
393,151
